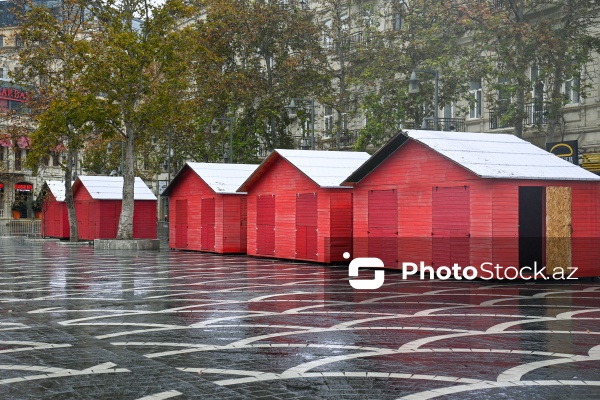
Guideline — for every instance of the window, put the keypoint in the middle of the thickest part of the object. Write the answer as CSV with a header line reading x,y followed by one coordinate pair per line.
x,y
398,8
18,41
326,36
538,86
3,73
397,21
15,105
328,120
367,15
17,158
448,111
476,97
1,41
571,90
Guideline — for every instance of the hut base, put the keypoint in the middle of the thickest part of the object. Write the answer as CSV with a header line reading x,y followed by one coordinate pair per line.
x,y
134,244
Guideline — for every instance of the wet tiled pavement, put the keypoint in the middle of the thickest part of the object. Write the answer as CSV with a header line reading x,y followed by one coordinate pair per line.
x,y
82,324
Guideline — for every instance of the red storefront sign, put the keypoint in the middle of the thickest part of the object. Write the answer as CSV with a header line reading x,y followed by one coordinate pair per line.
x,y
23,187
7,93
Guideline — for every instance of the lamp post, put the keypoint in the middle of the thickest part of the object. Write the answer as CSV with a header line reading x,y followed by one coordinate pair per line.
x,y
109,148
169,155
292,113
215,129
413,87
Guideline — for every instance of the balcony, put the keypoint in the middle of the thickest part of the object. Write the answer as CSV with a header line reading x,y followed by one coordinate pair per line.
x,y
448,124
535,114
293,4
353,40
349,138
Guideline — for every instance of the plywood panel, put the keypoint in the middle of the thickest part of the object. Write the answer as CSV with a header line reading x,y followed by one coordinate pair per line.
x,y
558,228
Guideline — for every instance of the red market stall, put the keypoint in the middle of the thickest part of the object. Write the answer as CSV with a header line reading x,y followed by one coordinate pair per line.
x,y
55,217
206,213
297,209
98,206
475,199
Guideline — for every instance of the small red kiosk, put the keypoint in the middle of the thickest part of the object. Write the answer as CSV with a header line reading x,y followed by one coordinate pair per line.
x,y
473,198
98,206
297,209
55,217
206,212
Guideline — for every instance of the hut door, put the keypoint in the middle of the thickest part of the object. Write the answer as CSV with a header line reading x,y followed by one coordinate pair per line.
x,y
243,224
558,229
306,226
83,221
208,224
450,225
55,212
531,226
265,225
383,226
181,227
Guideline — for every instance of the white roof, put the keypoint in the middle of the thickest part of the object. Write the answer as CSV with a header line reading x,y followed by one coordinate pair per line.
x,y
500,156
325,168
57,188
223,178
111,188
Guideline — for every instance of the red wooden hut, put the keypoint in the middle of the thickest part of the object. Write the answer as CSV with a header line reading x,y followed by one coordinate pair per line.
x,y
206,212
55,217
474,198
98,205
297,209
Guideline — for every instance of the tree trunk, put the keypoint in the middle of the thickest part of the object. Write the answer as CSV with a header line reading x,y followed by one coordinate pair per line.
x,y
73,228
520,109
125,231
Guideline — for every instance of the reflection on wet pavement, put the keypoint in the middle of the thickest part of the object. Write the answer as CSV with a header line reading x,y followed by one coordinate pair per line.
x,y
78,323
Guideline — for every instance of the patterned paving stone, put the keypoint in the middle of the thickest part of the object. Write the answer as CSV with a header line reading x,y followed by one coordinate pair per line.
x,y
76,323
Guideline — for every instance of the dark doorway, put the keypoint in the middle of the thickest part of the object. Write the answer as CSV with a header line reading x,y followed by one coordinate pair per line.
x,y
531,226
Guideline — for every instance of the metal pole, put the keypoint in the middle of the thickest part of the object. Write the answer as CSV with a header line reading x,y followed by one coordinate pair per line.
x,y
167,205
312,124
435,101
169,160
230,140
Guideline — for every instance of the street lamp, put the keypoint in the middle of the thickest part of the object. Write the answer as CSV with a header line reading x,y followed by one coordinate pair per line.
x,y
292,113
109,148
413,87
215,129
